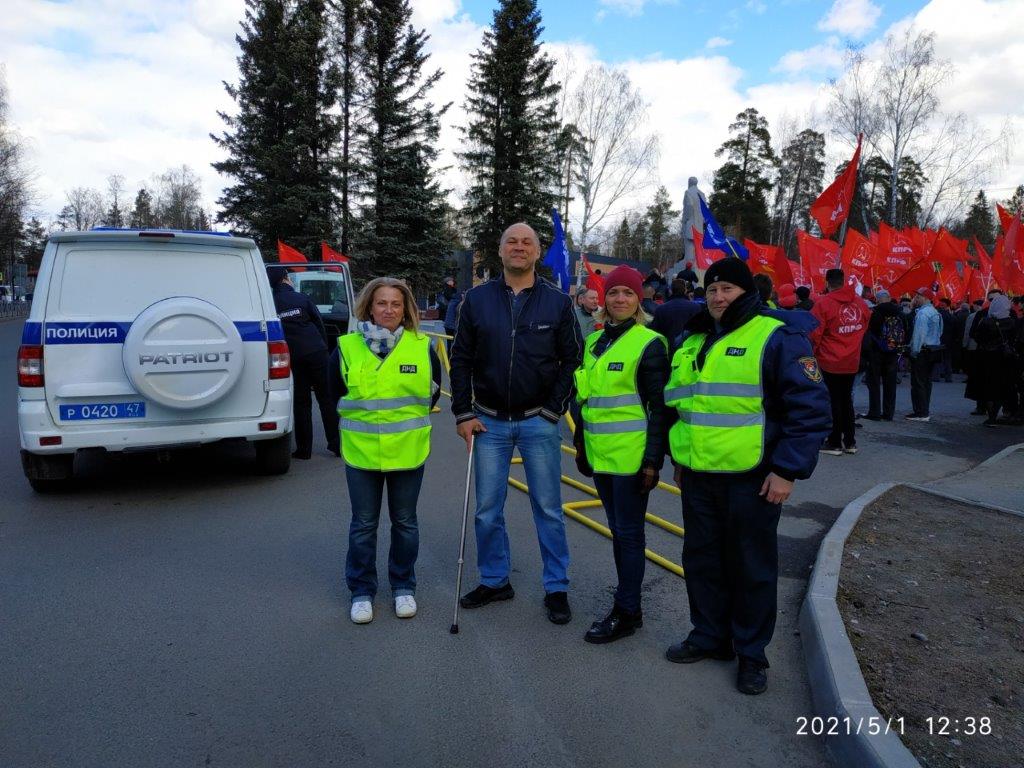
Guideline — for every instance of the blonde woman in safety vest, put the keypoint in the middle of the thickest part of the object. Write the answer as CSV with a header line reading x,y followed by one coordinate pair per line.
x,y
620,435
752,412
385,379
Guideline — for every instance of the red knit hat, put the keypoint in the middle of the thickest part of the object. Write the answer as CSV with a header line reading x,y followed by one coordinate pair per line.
x,y
627,276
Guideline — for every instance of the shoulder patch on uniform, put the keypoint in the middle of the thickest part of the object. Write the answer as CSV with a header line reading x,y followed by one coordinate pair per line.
x,y
810,368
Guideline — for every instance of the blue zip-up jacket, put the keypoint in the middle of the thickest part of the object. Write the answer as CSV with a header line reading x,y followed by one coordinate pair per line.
x,y
927,329
798,414
514,369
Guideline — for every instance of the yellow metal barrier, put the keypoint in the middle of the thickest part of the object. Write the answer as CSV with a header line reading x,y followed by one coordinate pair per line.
x,y
570,508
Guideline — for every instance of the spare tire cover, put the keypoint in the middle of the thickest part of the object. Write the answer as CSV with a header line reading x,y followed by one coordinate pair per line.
x,y
183,353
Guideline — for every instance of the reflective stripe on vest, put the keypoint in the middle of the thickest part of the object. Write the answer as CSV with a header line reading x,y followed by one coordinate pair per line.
x,y
720,406
614,420
385,422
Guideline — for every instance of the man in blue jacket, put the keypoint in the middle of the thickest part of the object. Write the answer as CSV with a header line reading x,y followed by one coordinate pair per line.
x,y
752,411
307,343
517,345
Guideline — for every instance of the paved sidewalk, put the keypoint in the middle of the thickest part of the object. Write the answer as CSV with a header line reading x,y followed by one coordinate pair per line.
x,y
998,481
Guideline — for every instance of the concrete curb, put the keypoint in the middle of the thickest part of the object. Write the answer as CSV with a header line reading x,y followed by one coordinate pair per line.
x,y
838,689
963,499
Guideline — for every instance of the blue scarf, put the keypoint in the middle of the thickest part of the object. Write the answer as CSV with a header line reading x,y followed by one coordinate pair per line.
x,y
379,339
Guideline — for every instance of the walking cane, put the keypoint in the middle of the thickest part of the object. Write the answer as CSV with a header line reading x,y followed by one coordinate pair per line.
x,y
462,541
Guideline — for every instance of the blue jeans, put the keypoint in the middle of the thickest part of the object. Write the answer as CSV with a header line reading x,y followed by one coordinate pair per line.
x,y
627,516
538,442
366,491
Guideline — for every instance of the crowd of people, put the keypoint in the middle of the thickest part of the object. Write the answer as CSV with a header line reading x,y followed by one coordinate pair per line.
x,y
739,385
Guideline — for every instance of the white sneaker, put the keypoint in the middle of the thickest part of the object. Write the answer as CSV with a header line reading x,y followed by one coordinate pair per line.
x,y
362,612
405,606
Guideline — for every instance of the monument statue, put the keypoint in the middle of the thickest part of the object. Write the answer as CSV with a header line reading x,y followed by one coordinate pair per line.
x,y
692,217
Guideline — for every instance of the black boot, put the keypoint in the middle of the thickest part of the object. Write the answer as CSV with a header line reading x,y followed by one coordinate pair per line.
x,y
687,653
557,604
751,678
617,624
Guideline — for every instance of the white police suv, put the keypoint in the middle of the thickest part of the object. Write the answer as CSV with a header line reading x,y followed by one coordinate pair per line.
x,y
151,339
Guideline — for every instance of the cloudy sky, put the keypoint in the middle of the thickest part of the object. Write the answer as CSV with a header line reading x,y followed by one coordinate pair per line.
x,y
133,86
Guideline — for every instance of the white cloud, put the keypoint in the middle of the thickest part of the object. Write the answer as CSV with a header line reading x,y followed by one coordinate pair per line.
x,y
628,7
757,7
718,42
819,58
852,18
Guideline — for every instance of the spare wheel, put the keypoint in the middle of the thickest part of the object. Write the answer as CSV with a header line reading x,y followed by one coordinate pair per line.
x,y
183,353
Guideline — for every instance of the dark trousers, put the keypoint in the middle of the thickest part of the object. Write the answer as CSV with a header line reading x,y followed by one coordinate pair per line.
x,y
310,374
881,381
730,554
840,391
921,381
366,492
626,508
945,365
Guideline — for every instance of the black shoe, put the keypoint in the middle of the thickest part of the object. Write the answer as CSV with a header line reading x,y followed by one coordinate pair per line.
x,y
302,456
752,678
335,450
483,595
869,417
557,604
687,653
616,624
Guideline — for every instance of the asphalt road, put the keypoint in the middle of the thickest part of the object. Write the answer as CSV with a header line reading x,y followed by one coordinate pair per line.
x,y
186,612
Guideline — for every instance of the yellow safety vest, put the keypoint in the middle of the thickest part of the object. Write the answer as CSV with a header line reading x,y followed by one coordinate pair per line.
x,y
385,415
720,406
614,420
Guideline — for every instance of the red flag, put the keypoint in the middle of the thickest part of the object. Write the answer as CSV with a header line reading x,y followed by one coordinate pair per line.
x,y
920,275
951,285
1012,272
594,281
705,258
997,264
976,284
763,259
818,257
982,257
329,254
288,255
895,250
1005,218
783,268
947,249
859,257
833,205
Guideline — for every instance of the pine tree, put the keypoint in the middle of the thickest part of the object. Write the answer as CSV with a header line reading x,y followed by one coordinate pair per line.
x,y
639,240
742,183
801,168
1015,204
33,242
620,247
510,142
346,24
141,215
660,218
401,223
876,195
980,222
280,143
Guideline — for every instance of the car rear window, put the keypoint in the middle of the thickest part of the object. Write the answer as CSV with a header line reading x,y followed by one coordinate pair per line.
x,y
122,281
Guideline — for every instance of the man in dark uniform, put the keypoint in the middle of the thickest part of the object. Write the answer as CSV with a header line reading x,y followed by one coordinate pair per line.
x,y
752,411
307,342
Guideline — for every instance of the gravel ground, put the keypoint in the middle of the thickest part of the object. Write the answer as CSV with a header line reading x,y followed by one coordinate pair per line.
x,y
931,594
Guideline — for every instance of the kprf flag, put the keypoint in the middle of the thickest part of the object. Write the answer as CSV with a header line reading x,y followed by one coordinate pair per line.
x,y
288,255
920,275
715,237
557,257
329,254
705,258
833,205
984,261
947,250
859,257
1008,266
769,260
896,254
818,256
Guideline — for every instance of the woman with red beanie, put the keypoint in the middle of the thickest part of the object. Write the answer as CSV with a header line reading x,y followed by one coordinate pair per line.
x,y
621,428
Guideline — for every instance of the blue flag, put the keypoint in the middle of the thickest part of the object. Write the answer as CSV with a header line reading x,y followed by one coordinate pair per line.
x,y
715,237
557,256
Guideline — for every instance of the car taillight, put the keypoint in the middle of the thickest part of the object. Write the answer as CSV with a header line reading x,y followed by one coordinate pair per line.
x,y
30,365
280,359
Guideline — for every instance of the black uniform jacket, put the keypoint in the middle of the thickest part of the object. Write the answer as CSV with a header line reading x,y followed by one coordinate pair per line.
x,y
303,327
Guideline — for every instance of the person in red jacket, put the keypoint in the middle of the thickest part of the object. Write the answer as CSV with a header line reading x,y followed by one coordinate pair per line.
x,y
842,322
